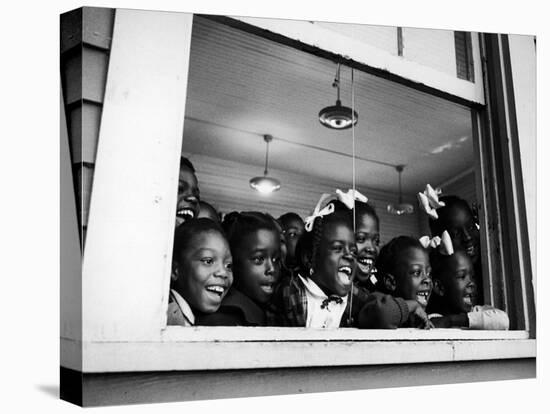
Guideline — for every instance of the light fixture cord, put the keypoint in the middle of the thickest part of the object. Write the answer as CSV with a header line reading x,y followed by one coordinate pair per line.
x,y
400,197
353,174
337,82
266,156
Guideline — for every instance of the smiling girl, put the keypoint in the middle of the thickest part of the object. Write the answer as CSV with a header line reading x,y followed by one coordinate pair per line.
x,y
367,238
255,245
201,274
326,253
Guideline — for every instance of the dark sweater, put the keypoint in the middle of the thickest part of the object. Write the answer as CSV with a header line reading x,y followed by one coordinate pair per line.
x,y
236,309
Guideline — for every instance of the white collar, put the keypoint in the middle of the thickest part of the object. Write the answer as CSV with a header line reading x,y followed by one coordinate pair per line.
x,y
184,306
314,290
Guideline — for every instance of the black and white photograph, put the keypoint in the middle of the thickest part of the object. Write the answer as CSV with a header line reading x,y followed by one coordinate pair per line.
x,y
274,207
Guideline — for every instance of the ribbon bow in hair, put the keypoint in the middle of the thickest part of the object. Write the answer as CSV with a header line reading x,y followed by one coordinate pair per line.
x,y
349,197
429,201
444,243
332,298
319,212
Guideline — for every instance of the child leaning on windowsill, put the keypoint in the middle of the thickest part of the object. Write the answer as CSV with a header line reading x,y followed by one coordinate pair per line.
x,y
454,295
404,277
322,294
201,271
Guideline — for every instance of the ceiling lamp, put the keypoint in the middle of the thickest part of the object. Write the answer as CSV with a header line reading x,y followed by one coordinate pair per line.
x,y
338,116
400,208
265,184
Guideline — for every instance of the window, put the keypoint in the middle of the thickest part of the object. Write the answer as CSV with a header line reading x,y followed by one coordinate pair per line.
x,y
143,124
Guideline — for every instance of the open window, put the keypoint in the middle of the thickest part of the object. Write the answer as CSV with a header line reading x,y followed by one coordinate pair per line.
x,y
210,88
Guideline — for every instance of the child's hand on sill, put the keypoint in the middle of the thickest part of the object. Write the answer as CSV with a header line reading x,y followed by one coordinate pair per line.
x,y
417,316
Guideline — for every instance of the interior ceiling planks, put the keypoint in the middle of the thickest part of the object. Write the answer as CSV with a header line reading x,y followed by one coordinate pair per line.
x,y
243,86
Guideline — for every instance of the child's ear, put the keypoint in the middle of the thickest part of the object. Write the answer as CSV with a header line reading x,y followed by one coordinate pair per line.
x,y
438,288
388,281
175,272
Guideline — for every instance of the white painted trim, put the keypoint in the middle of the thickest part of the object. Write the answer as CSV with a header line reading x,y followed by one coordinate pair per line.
x,y
127,257
515,195
280,334
317,36
186,356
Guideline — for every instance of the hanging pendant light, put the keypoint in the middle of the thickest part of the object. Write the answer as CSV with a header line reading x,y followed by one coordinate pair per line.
x,y
264,184
338,116
400,208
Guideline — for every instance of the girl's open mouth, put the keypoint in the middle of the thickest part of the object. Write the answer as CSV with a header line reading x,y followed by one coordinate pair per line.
x,y
365,264
422,297
216,289
469,299
268,288
345,274
185,214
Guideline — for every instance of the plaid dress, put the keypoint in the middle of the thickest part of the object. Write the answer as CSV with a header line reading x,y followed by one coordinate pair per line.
x,y
289,304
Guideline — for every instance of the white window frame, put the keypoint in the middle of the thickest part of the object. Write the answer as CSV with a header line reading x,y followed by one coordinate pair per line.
x,y
127,257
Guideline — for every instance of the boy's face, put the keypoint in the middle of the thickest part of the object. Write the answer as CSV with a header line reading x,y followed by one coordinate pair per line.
x,y
412,276
367,237
258,264
460,224
336,260
188,196
292,230
457,279
204,271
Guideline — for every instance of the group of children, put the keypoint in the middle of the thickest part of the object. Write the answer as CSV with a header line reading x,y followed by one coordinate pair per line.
x,y
327,271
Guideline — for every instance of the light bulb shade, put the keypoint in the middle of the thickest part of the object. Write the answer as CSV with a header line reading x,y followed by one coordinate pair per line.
x,y
265,184
400,209
338,116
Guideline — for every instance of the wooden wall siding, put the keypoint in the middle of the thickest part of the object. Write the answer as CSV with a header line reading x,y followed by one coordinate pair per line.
x,y
224,184
86,35
432,48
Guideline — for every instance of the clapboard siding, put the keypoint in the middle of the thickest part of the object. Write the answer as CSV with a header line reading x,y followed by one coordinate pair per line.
x,y
86,35
85,73
84,121
90,25
224,184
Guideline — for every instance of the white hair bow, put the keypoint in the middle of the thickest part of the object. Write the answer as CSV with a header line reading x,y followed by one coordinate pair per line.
x,y
349,197
429,201
444,243
319,212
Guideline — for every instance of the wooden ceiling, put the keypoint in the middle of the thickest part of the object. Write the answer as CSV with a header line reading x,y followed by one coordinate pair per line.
x,y
242,86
